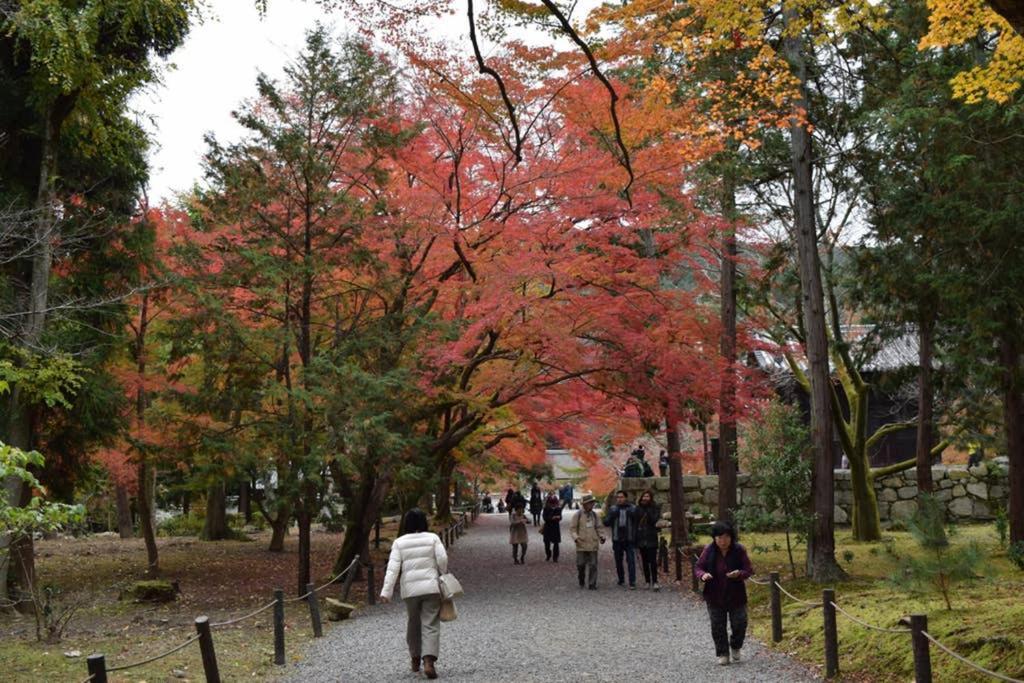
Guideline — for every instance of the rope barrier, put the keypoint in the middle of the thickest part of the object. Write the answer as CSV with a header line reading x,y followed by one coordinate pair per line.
x,y
89,679
880,629
968,662
229,622
759,583
804,602
111,669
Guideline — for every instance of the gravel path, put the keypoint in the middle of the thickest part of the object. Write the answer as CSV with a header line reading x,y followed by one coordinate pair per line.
x,y
533,623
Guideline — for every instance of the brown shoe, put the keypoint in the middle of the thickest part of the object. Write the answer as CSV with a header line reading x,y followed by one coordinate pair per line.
x,y
415,664
428,666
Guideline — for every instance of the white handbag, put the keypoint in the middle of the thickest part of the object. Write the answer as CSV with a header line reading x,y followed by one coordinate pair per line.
x,y
450,586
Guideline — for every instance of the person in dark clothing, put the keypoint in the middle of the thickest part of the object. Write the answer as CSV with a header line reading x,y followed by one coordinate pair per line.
x,y
552,528
536,503
663,464
646,516
510,497
723,567
620,519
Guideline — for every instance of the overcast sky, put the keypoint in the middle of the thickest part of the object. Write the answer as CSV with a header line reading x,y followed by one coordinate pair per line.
x,y
211,74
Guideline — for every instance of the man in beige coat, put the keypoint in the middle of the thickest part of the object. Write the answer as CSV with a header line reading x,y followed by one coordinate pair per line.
x,y
585,529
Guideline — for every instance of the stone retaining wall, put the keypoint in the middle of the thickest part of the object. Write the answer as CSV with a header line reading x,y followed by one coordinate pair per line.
x,y
967,495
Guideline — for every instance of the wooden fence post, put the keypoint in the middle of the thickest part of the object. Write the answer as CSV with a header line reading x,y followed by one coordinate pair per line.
x,y
314,612
922,656
376,535
828,596
206,650
97,668
663,555
694,582
371,588
679,564
279,627
776,601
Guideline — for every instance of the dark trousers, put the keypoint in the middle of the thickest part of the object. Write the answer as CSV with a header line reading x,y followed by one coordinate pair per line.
x,y
649,562
628,549
515,551
551,550
536,518
737,618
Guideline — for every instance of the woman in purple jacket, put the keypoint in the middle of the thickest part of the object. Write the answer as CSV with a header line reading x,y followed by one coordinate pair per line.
x,y
723,567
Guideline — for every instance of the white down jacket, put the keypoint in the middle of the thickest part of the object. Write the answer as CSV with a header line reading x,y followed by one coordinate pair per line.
x,y
417,559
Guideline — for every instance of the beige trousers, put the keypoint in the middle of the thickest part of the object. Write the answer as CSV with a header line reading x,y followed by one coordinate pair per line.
x,y
423,632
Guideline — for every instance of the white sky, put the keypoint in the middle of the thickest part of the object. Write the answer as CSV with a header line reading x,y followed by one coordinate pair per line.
x,y
211,74
216,68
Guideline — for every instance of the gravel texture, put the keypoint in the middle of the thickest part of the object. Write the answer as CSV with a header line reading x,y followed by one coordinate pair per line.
x,y
533,623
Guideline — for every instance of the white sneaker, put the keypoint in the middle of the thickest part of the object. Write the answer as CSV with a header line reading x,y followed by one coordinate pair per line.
x,y
723,660
656,587
736,655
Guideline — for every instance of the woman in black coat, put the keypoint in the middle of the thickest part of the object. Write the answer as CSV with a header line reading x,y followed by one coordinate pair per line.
x,y
646,516
536,503
723,567
552,528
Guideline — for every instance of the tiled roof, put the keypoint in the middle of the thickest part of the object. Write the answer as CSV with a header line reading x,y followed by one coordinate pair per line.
x,y
885,355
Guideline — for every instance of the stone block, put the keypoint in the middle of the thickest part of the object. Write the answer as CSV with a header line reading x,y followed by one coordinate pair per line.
x,y
939,472
842,475
943,495
981,510
709,481
892,482
661,484
997,492
946,484
691,497
710,497
742,479
907,492
961,507
888,495
633,484
978,490
979,470
883,511
910,475
691,481
959,491
844,497
958,473
902,510
749,496
840,515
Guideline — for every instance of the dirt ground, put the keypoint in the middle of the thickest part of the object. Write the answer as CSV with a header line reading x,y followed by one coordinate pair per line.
x,y
222,580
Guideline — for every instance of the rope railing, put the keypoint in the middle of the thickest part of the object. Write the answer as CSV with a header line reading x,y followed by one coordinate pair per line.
x,y
98,668
964,660
920,638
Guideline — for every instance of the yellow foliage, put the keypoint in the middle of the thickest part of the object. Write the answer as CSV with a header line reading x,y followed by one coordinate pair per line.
x,y
955,22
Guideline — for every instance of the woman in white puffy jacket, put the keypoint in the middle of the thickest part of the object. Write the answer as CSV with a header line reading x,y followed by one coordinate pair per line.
x,y
417,561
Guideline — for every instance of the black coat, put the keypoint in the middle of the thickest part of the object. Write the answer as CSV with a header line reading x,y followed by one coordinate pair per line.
x,y
552,525
645,519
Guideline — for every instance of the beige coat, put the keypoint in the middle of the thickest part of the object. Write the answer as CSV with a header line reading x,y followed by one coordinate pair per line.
x,y
517,529
585,529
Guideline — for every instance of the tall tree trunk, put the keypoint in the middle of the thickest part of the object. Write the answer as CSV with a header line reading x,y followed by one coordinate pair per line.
x,y
1013,417
680,537
822,565
124,512
278,527
361,514
305,521
146,503
925,403
444,486
727,464
216,526
244,504
186,502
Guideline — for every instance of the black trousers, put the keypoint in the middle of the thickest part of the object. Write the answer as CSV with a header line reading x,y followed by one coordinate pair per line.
x,y
515,551
551,550
737,618
649,561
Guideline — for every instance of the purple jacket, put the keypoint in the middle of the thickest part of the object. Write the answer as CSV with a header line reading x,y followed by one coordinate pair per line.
x,y
720,591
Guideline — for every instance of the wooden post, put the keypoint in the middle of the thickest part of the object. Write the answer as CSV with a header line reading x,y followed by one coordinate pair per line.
x,y
206,649
663,555
314,612
376,535
776,602
97,668
679,564
922,656
828,596
371,589
694,582
349,577
279,627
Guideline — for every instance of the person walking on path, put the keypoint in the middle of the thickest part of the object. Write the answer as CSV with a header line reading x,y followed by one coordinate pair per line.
x,y
418,559
585,529
536,503
663,464
510,497
723,567
646,516
620,518
517,535
552,528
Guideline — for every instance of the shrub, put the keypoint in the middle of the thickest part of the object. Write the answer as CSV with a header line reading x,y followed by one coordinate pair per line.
x,y
942,565
1002,525
182,525
1016,554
